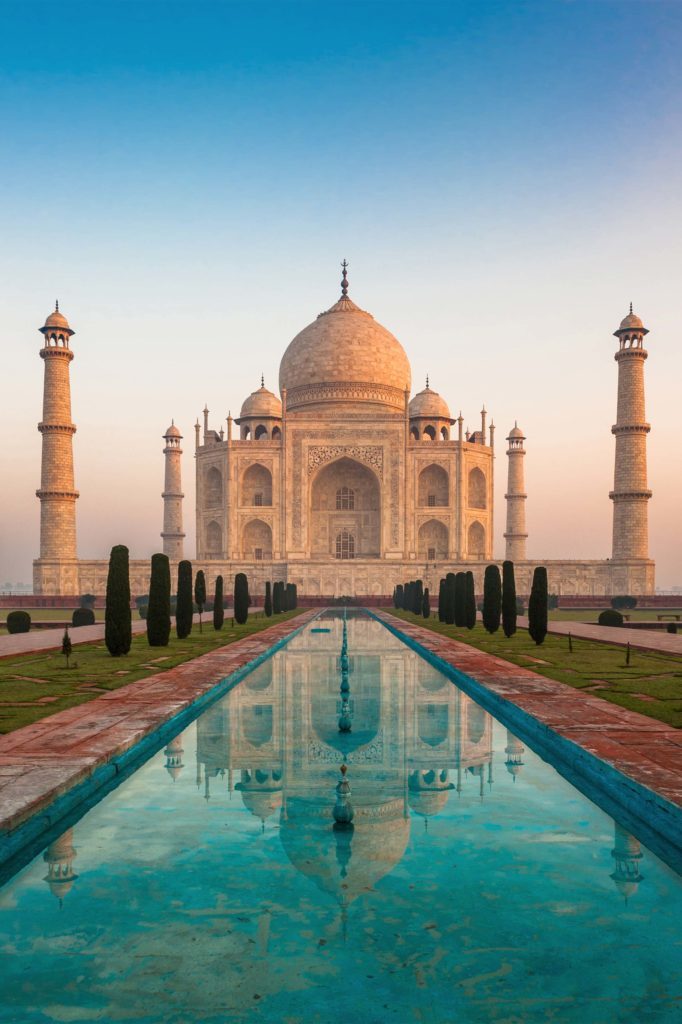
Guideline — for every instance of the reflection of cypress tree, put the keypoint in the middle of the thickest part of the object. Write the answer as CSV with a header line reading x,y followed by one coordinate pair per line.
x,y
441,601
267,604
492,598
158,610
469,600
450,587
508,599
460,599
118,632
537,606
184,608
218,604
241,598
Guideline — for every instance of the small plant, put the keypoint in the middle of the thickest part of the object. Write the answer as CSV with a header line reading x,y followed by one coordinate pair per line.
x,y
18,622
610,617
627,654
570,644
67,646
83,617
200,594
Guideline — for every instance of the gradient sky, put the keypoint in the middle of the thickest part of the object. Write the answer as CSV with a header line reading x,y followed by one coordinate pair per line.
x,y
504,179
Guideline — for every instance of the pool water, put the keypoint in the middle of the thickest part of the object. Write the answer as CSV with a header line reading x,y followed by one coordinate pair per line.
x,y
475,885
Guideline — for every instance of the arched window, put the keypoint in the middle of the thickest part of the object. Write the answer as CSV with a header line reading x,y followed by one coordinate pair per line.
x,y
261,433
429,433
477,489
345,498
345,545
444,434
476,545
414,433
276,434
214,487
214,540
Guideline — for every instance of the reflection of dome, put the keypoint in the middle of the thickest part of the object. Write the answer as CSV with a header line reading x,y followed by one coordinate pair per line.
x,y
428,790
261,792
378,843
345,356
261,404
429,405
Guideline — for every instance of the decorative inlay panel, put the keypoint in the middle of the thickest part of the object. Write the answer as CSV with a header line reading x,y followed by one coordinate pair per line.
x,y
372,455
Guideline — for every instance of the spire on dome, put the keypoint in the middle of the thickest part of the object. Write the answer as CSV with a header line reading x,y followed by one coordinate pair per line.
x,y
427,382
630,308
262,380
56,306
344,280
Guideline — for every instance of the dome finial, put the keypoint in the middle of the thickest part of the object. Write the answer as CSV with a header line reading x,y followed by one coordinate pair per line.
x,y
427,382
56,305
630,307
262,380
344,280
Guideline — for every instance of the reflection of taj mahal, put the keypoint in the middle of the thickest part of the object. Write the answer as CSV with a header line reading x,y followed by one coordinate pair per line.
x,y
346,484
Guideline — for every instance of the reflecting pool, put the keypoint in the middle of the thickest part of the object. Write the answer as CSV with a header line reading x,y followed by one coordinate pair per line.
x,y
475,883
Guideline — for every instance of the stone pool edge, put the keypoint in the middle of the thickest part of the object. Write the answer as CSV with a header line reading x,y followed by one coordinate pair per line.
x,y
62,793
634,799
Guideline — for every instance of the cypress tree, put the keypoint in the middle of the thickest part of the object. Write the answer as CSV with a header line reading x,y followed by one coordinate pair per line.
x,y
267,603
241,598
395,597
291,597
450,582
441,601
158,609
277,598
118,632
492,598
426,604
200,594
218,604
460,599
469,600
184,608
418,598
508,599
399,591
537,606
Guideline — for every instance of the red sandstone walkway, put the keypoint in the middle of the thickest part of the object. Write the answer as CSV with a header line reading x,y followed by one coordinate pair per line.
x,y
51,639
641,748
46,759
644,639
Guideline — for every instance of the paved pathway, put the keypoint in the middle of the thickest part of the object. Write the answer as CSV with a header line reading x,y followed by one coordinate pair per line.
x,y
51,639
644,639
46,759
641,748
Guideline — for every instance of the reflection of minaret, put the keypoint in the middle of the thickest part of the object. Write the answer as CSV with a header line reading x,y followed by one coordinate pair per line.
x,y
514,751
627,854
173,754
59,857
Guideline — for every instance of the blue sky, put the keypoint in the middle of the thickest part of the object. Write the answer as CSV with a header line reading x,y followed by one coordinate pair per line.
x,y
503,178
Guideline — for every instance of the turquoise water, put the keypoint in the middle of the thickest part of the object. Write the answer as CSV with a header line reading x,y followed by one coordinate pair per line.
x,y
476,884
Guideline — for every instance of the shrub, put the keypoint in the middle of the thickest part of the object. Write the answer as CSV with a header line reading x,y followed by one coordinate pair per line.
x,y
184,608
87,600
277,598
450,581
118,634
610,617
537,606
18,622
625,601
241,598
469,600
553,602
418,597
399,596
267,603
142,610
509,607
520,606
426,604
671,627
460,599
67,646
200,594
441,601
218,604
83,617
142,601
291,597
159,610
492,598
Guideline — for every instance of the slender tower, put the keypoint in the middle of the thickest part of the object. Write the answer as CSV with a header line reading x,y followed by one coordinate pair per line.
x,y
516,536
172,533
57,493
630,494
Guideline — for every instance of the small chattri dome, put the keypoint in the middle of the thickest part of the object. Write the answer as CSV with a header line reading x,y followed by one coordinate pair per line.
x,y
172,431
517,432
428,404
56,321
631,323
261,404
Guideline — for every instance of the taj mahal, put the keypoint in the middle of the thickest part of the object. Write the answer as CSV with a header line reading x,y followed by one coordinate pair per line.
x,y
347,482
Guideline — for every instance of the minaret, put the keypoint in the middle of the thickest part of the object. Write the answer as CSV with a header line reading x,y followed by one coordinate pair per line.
x,y
173,536
57,493
516,536
630,493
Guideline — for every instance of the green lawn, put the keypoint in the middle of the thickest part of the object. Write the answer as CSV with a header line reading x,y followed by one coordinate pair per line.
x,y
33,686
651,684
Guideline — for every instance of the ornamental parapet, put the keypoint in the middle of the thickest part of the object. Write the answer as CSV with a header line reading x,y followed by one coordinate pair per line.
x,y
631,353
630,428
68,495
641,495
516,494
57,428
55,352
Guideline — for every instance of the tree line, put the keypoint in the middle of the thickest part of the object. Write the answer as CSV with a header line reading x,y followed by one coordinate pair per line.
x,y
191,596
457,600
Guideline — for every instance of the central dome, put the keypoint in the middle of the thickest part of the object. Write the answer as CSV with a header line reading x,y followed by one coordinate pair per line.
x,y
345,357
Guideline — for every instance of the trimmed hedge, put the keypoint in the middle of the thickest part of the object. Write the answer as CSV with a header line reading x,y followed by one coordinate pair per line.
x,y
241,598
509,604
184,608
610,617
118,629
83,617
218,604
18,622
492,598
159,610
537,606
